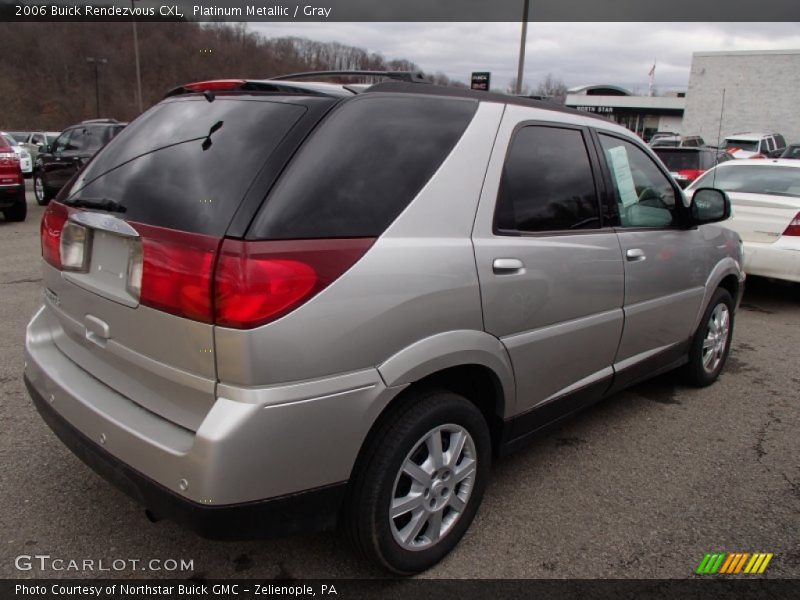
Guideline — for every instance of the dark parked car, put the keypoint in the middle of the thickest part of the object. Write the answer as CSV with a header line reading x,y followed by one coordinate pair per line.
x,y
792,151
687,164
12,184
56,164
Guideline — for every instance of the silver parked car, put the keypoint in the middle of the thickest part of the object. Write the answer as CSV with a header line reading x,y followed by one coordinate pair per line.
x,y
266,312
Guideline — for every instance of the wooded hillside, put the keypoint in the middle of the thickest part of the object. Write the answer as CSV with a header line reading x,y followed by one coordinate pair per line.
x,y
46,83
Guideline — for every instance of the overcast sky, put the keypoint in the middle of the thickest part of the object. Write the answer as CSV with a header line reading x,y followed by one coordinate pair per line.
x,y
577,53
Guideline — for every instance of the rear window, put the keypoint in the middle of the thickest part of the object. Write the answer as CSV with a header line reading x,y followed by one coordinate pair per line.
x,y
18,136
362,167
665,143
746,145
168,169
677,160
752,179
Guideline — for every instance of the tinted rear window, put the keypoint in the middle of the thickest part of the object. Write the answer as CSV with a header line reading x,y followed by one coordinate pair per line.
x,y
362,167
677,160
162,172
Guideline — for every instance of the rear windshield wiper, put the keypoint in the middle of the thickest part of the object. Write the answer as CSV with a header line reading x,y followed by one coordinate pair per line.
x,y
101,203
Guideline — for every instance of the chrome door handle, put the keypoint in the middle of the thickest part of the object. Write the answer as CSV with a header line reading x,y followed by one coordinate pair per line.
x,y
507,266
635,255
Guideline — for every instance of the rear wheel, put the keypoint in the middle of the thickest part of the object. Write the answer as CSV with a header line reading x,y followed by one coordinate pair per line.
x,y
712,341
421,483
43,196
18,212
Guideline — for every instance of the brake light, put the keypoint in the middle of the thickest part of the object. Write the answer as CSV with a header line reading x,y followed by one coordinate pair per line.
x,y
53,221
173,271
794,226
258,282
215,85
691,174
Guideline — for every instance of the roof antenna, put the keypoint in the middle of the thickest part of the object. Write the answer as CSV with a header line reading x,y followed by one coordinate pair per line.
x,y
719,137
209,95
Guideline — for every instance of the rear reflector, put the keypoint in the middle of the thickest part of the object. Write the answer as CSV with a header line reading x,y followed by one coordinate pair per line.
x,y
258,282
176,271
50,230
794,227
216,85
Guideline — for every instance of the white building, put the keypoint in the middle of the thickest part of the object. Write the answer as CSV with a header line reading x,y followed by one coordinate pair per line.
x,y
760,94
643,115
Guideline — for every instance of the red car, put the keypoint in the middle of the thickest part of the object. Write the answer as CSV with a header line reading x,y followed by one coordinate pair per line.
x,y
12,185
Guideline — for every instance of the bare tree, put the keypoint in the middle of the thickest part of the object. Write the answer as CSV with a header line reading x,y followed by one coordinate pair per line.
x,y
512,88
553,88
60,92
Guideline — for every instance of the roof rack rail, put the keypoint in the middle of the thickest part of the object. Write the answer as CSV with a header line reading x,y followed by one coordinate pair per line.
x,y
409,76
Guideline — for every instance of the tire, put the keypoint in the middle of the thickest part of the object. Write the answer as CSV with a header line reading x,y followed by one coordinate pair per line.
x,y
18,212
712,341
437,495
40,190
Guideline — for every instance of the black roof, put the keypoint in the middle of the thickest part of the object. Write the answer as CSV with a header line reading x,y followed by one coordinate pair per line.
x,y
453,92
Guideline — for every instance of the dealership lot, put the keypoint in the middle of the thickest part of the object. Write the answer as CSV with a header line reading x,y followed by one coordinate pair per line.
x,y
642,485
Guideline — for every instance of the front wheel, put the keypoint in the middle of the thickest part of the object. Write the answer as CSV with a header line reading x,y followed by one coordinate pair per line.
x,y
421,482
712,341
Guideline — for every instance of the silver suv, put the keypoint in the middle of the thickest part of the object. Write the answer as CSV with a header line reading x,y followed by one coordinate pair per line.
x,y
267,311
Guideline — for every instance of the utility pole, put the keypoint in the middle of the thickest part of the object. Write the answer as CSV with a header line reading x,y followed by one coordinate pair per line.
x,y
523,39
96,62
138,70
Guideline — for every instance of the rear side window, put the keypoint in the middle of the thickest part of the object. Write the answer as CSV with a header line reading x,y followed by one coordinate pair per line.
x,y
547,183
97,136
77,141
362,167
169,169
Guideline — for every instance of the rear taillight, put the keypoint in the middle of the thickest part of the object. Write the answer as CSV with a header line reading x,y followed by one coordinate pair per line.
x,y
258,282
232,283
174,271
758,156
794,227
53,221
691,174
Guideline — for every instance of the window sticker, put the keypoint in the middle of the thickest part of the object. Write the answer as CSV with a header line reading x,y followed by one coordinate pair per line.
x,y
621,170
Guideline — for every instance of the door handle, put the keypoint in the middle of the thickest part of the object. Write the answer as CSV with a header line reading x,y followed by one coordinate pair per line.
x,y
635,255
507,266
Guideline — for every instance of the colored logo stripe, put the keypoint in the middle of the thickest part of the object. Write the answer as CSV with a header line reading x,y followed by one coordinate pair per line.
x,y
733,563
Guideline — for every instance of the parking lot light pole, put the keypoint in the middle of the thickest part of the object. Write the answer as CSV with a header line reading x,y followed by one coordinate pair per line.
x,y
96,62
523,39
136,57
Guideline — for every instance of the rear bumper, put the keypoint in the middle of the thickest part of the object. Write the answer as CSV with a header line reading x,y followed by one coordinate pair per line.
x,y
255,450
11,195
780,260
312,510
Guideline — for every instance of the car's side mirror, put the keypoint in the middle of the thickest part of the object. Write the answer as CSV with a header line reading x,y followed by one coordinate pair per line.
x,y
710,205
44,148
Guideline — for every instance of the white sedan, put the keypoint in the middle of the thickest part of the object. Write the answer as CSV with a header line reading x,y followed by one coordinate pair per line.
x,y
765,195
